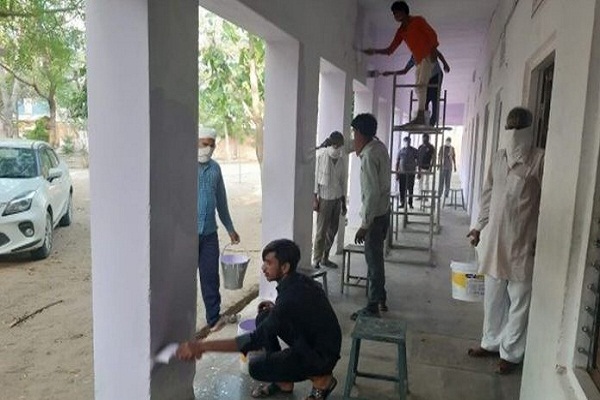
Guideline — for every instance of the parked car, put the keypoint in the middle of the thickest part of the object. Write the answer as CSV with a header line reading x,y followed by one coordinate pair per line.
x,y
36,195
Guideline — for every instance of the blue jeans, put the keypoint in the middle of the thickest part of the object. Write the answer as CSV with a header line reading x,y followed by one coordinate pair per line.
x,y
374,242
208,269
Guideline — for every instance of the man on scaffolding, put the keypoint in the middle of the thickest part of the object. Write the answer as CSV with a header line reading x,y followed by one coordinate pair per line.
x,y
422,42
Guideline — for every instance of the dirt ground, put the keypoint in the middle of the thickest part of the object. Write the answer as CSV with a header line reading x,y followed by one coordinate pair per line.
x,y
50,356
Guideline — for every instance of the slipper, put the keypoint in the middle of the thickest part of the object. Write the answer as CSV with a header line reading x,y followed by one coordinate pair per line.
x,y
505,367
264,391
480,352
322,394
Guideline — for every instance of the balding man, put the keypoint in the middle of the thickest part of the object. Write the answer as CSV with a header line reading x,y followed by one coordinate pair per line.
x,y
507,224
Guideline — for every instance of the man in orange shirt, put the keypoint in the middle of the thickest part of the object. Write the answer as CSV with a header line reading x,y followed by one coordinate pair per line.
x,y
422,42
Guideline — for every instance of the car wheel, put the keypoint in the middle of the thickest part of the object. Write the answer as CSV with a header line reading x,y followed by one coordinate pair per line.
x,y
44,251
68,217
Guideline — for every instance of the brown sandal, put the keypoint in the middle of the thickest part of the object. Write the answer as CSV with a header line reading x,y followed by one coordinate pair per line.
x,y
480,352
505,367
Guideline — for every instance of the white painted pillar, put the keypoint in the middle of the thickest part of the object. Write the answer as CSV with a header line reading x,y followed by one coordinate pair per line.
x,y
332,109
291,98
332,89
363,103
143,96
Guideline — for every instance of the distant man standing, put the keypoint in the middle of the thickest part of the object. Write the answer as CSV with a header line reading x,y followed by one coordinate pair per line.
x,y
507,224
425,154
422,42
447,159
212,197
406,167
329,198
375,182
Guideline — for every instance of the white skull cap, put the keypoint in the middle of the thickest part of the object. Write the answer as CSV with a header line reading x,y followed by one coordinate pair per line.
x,y
206,133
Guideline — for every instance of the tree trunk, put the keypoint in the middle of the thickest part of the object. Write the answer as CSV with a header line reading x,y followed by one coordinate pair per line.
x,y
257,115
52,134
227,149
9,94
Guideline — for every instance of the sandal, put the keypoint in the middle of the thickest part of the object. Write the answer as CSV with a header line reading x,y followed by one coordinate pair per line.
x,y
322,394
264,391
480,352
505,367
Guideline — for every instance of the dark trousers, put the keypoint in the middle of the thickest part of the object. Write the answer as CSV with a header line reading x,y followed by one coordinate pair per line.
x,y
433,95
407,183
445,178
375,264
288,365
208,269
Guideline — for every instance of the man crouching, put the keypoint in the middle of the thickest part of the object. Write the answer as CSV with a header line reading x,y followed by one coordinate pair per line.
x,y
301,316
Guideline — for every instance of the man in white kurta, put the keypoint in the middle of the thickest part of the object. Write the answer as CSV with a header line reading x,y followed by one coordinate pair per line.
x,y
507,222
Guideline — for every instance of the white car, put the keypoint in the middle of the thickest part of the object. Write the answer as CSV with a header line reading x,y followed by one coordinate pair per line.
x,y
36,195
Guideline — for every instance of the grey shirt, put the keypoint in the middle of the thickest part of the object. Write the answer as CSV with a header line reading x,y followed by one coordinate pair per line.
x,y
406,160
375,182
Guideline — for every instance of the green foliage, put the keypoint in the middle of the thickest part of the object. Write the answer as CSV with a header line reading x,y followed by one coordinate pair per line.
x,y
40,131
43,46
68,146
229,58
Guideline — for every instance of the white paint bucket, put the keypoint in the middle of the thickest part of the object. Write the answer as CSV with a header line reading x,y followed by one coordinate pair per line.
x,y
467,284
245,326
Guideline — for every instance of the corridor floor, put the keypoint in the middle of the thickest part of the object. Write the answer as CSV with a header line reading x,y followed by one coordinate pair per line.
x,y
440,330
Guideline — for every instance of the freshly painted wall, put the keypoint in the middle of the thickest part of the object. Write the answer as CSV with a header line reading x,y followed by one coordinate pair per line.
x,y
570,29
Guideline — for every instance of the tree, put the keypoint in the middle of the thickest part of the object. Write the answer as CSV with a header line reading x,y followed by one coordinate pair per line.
x,y
231,80
9,92
42,48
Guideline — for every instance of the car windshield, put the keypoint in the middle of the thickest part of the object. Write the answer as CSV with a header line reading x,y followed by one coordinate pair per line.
x,y
17,163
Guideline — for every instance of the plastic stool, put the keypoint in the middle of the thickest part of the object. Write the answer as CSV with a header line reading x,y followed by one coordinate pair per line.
x,y
378,330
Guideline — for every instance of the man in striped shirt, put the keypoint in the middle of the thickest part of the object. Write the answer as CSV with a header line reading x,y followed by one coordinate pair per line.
x,y
329,198
212,197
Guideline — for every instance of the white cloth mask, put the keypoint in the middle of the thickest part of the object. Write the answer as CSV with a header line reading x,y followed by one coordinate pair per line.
x,y
205,154
519,145
334,153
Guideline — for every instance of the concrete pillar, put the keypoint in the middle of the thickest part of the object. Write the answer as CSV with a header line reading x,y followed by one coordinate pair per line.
x,y
291,97
363,103
331,100
332,95
143,102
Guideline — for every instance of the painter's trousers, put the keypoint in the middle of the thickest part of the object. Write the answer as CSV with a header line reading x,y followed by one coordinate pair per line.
x,y
208,269
328,220
374,248
287,365
424,69
506,311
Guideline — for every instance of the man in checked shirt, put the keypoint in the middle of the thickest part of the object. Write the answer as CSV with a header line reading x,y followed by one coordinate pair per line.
x,y
211,197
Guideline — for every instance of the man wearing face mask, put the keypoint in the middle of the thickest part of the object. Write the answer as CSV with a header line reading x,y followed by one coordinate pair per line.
x,y
508,212
212,198
329,197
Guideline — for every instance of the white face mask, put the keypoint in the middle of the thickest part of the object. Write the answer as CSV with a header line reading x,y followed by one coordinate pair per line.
x,y
334,153
205,154
519,145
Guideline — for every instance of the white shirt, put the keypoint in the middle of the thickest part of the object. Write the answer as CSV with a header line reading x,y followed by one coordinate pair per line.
x,y
330,176
375,181
508,217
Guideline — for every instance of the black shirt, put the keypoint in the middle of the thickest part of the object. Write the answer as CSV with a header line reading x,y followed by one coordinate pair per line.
x,y
303,309
425,152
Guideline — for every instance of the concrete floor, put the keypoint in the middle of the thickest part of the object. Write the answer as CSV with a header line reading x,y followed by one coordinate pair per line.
x,y
440,330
